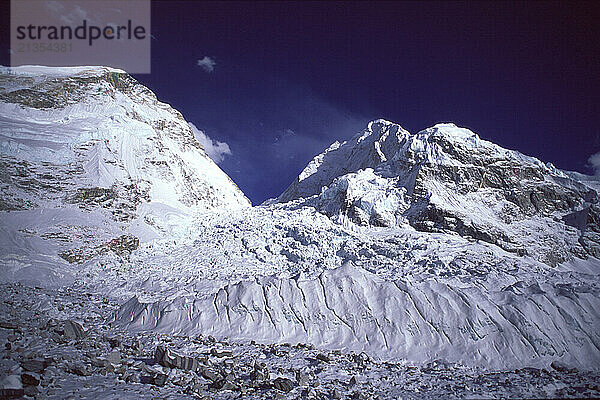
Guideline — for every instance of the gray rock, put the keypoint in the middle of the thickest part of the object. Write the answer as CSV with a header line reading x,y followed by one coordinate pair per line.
x,y
260,373
35,365
114,357
210,375
149,370
73,330
121,370
195,388
30,391
30,379
229,385
157,380
131,377
217,384
302,379
170,359
323,357
160,380
79,369
219,354
108,367
284,384
136,346
96,362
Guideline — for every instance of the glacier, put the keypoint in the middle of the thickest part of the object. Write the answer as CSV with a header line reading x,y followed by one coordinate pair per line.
x,y
481,280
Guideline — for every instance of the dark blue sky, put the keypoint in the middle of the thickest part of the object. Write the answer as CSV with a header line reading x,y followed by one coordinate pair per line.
x,y
290,78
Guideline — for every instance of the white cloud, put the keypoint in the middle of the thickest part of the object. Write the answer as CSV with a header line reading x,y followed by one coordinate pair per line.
x,y
216,150
594,162
207,64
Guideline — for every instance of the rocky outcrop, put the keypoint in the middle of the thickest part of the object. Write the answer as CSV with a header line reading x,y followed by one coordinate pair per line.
x,y
110,144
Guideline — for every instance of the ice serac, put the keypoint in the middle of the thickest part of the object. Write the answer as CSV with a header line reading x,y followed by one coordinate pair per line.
x,y
499,322
447,179
91,161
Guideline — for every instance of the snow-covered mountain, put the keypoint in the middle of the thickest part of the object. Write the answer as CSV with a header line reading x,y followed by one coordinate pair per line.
x,y
447,179
437,245
411,247
93,162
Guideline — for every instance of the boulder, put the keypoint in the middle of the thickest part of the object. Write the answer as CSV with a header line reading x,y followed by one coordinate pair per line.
x,y
30,379
31,391
79,369
73,330
284,384
210,374
302,379
34,365
156,380
170,359
114,357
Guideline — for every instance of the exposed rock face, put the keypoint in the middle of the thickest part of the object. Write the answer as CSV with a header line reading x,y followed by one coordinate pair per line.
x,y
447,179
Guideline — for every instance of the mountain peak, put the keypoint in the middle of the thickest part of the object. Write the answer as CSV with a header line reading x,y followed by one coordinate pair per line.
x,y
454,133
381,142
98,138
447,179
41,70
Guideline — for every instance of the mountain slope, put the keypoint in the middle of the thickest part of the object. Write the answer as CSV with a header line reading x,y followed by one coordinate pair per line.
x,y
93,162
447,179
